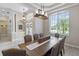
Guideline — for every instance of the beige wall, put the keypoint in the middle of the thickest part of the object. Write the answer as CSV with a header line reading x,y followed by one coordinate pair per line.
x,y
37,25
74,26
46,27
40,26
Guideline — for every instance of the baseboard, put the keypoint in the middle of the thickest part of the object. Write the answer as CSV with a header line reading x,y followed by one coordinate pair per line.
x,y
72,45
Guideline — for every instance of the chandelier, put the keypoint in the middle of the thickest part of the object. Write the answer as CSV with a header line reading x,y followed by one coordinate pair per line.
x,y
40,13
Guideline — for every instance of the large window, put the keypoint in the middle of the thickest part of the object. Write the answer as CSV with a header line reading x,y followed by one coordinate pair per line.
x,y
59,22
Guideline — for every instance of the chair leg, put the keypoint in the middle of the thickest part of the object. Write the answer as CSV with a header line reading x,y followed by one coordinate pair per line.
x,y
63,50
61,53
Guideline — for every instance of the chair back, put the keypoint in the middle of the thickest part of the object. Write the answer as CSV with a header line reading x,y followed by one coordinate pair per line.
x,y
57,35
62,42
14,52
44,38
41,34
55,50
35,36
27,38
61,45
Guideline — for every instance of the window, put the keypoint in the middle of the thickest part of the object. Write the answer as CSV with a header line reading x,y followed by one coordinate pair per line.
x,y
59,22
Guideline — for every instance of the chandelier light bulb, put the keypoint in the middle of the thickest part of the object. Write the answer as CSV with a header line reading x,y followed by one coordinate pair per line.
x,y
45,14
37,11
23,17
42,12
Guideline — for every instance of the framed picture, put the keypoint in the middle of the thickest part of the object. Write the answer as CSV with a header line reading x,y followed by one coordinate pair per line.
x,y
20,27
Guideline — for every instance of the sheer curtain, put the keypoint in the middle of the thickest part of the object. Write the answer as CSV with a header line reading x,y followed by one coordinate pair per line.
x,y
59,22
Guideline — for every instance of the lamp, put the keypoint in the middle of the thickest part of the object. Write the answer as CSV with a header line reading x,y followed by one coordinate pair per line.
x,y
40,13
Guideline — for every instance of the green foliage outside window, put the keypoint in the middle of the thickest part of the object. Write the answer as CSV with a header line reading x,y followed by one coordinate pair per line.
x,y
60,23
63,26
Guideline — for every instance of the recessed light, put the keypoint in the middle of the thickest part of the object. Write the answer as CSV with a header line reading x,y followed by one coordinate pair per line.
x,y
2,10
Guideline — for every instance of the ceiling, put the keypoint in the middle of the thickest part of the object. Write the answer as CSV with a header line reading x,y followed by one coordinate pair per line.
x,y
14,6
30,7
46,5
53,7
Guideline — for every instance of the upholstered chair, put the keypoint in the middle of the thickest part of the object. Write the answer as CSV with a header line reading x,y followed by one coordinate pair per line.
x,y
35,36
14,52
41,34
57,35
44,38
27,38
61,46
53,51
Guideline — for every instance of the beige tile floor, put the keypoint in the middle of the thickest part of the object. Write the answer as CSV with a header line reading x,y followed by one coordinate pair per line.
x,y
70,51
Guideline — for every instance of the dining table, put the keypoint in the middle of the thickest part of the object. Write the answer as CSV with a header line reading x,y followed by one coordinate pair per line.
x,y
40,49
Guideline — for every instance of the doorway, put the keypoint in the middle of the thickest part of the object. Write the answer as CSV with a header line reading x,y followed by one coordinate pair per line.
x,y
4,32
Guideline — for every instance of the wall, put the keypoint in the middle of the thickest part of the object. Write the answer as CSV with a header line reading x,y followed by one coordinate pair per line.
x,y
37,25
74,26
46,27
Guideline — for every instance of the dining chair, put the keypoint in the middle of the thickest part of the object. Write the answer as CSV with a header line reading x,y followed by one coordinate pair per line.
x,y
57,35
48,53
55,50
14,52
44,38
35,36
27,38
61,46
41,34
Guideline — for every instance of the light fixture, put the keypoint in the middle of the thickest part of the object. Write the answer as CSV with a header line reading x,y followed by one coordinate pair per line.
x,y
23,17
40,13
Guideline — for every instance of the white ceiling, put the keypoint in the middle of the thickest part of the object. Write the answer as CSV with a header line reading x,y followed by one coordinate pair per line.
x,y
53,7
45,4
14,6
30,7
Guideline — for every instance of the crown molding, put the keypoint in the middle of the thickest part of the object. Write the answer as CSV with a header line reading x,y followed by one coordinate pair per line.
x,y
47,6
62,8
54,7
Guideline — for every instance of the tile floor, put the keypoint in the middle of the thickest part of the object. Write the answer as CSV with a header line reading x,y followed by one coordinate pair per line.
x,y
70,51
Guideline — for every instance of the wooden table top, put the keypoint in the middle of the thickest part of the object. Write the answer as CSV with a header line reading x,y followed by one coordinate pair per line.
x,y
43,48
